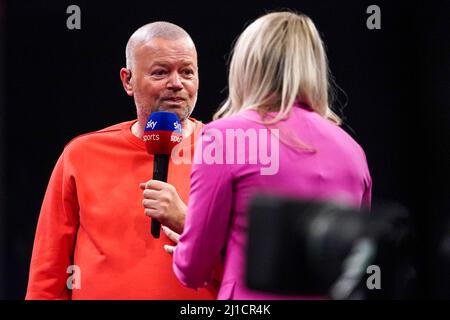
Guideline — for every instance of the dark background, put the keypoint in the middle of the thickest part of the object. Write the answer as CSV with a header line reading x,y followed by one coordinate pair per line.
x,y
57,83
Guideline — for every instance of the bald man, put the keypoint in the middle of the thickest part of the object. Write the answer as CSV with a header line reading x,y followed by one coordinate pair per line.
x,y
93,240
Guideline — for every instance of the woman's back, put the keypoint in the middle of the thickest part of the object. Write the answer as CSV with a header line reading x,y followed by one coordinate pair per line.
x,y
222,185
332,166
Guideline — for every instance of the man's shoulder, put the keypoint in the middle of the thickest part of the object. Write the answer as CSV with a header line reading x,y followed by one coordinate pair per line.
x,y
196,122
197,125
101,134
114,127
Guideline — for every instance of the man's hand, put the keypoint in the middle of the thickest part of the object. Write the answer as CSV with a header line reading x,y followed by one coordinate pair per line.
x,y
172,235
162,202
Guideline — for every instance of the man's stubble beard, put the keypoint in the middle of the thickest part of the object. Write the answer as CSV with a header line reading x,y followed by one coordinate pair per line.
x,y
186,112
143,113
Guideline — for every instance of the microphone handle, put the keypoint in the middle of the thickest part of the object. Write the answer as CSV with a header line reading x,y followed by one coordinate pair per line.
x,y
160,167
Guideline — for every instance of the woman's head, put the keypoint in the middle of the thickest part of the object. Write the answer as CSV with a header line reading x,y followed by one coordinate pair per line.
x,y
279,59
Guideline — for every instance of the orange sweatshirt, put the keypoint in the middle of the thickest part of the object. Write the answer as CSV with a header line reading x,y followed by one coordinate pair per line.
x,y
92,217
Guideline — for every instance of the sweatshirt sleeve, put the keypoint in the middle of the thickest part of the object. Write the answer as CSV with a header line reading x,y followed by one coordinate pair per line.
x,y
199,249
55,236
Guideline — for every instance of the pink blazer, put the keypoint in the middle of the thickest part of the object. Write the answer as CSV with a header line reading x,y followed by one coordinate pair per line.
x,y
226,173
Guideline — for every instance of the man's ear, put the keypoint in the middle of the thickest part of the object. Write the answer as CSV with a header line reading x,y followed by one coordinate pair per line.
x,y
125,76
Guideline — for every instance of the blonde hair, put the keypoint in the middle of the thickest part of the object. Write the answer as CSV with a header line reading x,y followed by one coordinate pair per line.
x,y
278,60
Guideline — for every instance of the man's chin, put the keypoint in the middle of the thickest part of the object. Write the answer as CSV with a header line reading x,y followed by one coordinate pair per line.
x,y
180,111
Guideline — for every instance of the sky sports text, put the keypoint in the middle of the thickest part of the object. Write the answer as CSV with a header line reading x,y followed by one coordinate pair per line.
x,y
156,137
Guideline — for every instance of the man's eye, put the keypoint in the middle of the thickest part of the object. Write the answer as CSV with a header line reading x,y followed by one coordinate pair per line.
x,y
188,72
159,73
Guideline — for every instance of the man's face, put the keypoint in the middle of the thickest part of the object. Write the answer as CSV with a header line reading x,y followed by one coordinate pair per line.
x,y
165,77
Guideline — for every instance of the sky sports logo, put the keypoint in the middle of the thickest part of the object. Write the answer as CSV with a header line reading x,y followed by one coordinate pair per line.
x,y
162,125
155,136
151,125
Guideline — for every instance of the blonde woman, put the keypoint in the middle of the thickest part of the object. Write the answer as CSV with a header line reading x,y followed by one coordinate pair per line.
x,y
278,101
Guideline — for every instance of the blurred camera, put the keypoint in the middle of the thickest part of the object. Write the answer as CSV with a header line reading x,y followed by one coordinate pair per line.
x,y
314,248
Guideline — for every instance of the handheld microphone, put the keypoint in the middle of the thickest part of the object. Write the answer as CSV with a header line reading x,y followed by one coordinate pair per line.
x,y
161,134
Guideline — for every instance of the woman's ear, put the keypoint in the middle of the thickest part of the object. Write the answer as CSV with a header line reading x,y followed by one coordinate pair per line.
x,y
125,76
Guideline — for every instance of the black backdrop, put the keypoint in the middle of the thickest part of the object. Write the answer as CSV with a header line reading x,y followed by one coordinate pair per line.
x,y
59,83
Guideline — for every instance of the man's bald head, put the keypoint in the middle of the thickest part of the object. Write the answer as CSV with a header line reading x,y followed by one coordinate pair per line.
x,y
159,29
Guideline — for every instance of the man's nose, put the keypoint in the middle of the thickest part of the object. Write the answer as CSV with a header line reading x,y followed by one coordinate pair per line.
x,y
174,82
